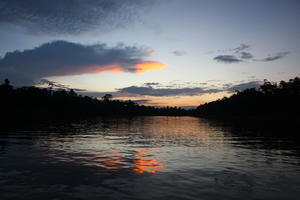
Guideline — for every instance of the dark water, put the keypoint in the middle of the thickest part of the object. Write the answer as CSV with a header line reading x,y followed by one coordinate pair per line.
x,y
147,158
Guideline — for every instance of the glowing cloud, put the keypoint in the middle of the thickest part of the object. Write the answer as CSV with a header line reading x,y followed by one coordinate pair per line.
x,y
148,65
113,68
63,58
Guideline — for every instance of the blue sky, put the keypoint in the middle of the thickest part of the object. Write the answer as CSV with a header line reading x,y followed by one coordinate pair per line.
x,y
209,47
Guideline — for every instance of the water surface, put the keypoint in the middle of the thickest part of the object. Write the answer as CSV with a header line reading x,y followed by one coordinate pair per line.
x,y
146,158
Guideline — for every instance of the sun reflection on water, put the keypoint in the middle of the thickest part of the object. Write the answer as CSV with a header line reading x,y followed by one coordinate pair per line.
x,y
140,145
147,162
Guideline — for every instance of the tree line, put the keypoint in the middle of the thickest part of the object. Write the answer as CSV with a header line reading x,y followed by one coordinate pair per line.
x,y
270,98
36,103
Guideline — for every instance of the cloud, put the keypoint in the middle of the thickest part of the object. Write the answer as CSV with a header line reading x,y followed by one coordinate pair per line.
x,y
151,84
54,84
150,91
146,66
236,50
96,94
179,53
275,57
243,86
240,48
214,80
246,55
227,59
164,91
99,94
234,54
227,85
142,101
239,54
62,58
186,91
70,17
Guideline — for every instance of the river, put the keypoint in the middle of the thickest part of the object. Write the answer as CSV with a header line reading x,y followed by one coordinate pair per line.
x,y
146,158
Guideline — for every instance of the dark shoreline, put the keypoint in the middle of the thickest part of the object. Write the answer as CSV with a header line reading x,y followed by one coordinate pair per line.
x,y
267,125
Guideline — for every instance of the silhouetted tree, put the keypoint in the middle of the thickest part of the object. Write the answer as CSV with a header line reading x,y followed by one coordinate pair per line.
x,y
107,97
33,103
269,99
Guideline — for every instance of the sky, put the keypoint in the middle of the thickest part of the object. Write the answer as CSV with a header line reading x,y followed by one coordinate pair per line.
x,y
159,53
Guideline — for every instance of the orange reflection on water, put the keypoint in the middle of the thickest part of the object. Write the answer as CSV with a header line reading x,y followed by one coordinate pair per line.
x,y
111,162
147,163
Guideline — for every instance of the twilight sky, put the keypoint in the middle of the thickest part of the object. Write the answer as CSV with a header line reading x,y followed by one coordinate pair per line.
x,y
168,52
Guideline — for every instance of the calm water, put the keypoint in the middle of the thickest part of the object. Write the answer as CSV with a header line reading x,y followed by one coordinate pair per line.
x,y
146,158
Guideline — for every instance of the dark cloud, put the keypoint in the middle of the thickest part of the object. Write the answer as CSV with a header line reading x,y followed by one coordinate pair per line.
x,y
69,16
227,59
61,58
142,101
151,84
95,94
227,85
240,48
179,53
243,86
241,54
246,55
188,91
236,50
136,91
149,91
275,57
52,84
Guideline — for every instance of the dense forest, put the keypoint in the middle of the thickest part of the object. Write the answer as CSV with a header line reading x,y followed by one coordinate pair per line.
x,y
270,98
34,103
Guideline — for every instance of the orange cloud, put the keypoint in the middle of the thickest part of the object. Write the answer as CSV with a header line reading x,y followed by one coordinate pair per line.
x,y
117,68
114,68
148,65
62,58
96,69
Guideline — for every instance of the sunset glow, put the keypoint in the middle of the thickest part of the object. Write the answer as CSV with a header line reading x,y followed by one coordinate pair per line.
x,y
149,99
172,59
146,66
112,69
